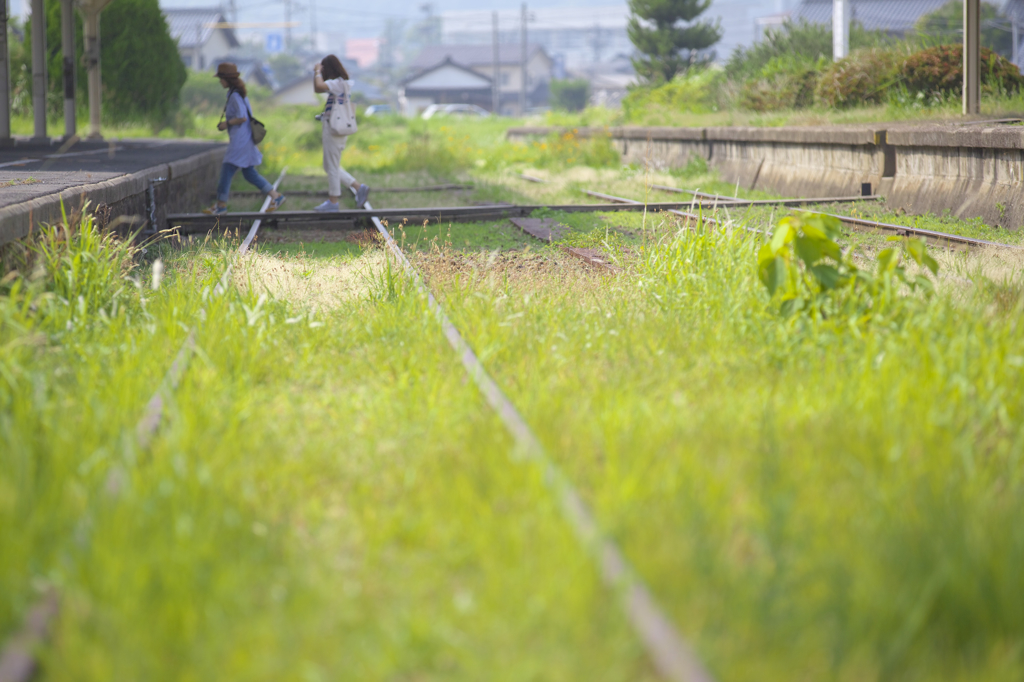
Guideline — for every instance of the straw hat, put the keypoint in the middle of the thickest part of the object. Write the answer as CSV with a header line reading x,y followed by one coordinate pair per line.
x,y
227,70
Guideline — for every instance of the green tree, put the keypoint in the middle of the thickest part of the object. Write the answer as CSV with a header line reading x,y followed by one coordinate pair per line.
x,y
669,36
141,71
946,25
570,94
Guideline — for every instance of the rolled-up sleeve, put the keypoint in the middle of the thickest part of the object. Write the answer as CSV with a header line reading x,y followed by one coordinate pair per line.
x,y
236,107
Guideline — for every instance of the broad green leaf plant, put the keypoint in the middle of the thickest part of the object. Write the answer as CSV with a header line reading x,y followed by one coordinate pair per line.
x,y
807,273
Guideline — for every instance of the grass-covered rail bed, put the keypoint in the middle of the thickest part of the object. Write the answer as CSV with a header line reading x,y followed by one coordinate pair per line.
x,y
809,452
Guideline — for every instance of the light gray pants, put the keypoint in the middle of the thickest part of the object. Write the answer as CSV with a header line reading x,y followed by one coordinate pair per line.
x,y
334,145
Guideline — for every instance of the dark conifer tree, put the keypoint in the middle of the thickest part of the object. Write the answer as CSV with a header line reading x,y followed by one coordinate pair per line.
x,y
670,37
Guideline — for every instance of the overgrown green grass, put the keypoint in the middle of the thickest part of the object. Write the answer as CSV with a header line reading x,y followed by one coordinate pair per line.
x,y
329,498
811,501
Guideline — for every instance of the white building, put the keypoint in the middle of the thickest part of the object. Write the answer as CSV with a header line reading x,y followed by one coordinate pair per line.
x,y
456,74
202,38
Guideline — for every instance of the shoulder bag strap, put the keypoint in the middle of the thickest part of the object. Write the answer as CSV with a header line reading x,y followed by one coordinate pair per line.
x,y
224,113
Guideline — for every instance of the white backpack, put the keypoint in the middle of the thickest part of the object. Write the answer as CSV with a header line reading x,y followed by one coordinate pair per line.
x,y
343,114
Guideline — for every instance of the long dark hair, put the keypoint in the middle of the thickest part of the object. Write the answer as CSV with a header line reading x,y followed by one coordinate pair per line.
x,y
333,68
237,84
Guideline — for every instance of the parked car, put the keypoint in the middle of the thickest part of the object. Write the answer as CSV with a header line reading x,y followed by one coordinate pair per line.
x,y
379,110
454,110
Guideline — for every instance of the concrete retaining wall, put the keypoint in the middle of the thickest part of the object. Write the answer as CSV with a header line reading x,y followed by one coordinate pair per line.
x,y
971,170
188,184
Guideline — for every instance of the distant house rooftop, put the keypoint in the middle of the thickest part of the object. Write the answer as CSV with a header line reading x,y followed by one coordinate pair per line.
x,y
470,55
193,28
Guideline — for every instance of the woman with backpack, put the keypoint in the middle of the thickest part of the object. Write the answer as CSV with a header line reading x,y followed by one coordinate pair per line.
x,y
242,154
338,121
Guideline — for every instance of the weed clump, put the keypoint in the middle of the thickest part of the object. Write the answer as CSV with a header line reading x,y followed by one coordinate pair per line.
x,y
808,275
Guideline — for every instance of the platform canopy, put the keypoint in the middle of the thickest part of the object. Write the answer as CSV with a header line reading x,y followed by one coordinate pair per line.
x,y
90,10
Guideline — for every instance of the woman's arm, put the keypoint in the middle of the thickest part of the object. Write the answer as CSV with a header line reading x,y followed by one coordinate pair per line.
x,y
235,106
318,80
223,125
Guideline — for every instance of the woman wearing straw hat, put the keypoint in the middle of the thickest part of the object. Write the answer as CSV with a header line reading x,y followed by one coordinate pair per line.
x,y
242,154
330,76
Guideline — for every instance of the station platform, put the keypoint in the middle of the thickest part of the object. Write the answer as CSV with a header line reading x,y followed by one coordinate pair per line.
x,y
36,178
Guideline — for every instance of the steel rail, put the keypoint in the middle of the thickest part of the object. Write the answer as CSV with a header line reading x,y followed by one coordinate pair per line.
x,y
18,658
672,656
862,224
376,190
654,206
153,415
411,214
736,202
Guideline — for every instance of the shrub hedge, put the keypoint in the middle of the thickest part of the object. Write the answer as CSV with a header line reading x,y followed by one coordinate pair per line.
x,y
939,70
871,75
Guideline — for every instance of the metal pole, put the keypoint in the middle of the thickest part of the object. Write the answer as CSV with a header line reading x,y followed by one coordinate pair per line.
x,y
67,44
522,65
972,57
840,29
496,83
92,62
312,24
39,69
288,25
1016,41
5,80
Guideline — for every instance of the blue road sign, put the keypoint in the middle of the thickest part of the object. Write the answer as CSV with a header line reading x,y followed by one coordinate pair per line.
x,y
275,42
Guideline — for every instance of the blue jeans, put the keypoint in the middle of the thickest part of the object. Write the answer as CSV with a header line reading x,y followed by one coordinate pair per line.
x,y
227,174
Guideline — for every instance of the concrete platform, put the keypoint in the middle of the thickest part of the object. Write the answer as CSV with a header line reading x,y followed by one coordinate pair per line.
x,y
971,168
112,175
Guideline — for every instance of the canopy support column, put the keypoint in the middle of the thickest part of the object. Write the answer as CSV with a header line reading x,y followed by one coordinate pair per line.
x,y
67,44
39,70
92,62
5,80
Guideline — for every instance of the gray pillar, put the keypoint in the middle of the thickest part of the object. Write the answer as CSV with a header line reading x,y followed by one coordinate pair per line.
x,y
972,57
1015,33
67,45
496,82
522,64
92,62
5,80
39,69
840,29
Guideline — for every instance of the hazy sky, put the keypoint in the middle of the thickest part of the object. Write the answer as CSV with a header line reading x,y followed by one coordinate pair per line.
x,y
346,19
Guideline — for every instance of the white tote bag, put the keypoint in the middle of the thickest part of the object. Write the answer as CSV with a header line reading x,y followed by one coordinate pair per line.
x,y
343,114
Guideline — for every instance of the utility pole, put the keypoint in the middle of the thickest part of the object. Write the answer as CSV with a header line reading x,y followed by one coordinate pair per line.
x,y
67,46
233,11
840,29
5,80
496,82
972,57
522,64
312,24
39,69
288,25
1015,57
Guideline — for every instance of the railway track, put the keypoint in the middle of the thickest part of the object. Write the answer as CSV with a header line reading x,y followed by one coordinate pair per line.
x,y
18,658
670,653
859,224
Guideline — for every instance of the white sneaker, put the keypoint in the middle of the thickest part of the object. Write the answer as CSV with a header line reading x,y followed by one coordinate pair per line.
x,y
328,207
